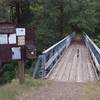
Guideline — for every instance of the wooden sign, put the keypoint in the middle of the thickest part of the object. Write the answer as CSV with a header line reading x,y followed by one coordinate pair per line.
x,y
7,28
16,43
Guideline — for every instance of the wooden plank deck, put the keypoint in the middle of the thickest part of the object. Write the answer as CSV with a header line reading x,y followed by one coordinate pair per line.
x,y
76,65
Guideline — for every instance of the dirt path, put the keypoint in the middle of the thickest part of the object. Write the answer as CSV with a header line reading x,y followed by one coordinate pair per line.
x,y
55,91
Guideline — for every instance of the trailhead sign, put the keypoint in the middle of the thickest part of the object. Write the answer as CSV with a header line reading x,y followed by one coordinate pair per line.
x,y
16,43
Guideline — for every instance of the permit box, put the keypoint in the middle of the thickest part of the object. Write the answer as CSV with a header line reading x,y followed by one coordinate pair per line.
x,y
30,44
16,53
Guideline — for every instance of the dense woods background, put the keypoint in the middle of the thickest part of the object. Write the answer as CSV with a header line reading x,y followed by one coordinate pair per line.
x,y
52,19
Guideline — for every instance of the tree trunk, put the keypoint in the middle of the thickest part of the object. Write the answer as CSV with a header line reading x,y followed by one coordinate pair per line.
x,y
17,13
61,18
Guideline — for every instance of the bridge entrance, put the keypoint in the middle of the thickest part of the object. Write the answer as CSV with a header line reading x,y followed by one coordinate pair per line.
x,y
74,58
76,65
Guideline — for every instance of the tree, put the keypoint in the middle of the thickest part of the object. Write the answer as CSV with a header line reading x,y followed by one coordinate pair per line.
x,y
4,11
18,10
81,14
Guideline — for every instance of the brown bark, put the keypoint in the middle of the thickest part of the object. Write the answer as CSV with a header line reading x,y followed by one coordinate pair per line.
x,y
61,8
17,13
21,71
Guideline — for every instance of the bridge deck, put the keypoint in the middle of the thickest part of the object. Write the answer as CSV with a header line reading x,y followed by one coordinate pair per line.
x,y
75,65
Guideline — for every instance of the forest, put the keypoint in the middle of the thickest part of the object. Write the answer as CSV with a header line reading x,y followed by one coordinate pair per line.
x,y
53,20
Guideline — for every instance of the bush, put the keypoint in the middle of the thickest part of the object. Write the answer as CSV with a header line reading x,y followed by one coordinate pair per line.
x,y
96,39
8,73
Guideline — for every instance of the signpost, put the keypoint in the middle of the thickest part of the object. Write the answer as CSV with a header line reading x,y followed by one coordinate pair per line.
x,y
21,71
20,33
18,44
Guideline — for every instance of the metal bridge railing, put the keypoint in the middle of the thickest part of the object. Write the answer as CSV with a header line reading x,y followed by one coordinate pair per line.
x,y
51,56
94,50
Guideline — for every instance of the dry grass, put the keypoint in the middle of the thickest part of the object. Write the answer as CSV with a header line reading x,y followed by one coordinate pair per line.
x,y
45,90
12,90
92,91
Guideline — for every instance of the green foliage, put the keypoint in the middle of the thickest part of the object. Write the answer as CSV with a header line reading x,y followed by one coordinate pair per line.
x,y
4,11
96,39
12,90
82,14
45,38
8,73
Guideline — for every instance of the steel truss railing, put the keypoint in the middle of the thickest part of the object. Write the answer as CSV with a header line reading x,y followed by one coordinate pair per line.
x,y
51,56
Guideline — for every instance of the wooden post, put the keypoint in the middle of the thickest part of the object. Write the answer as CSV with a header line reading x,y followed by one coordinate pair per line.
x,y
21,71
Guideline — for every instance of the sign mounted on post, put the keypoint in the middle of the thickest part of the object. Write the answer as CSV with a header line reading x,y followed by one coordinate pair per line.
x,y
16,44
20,43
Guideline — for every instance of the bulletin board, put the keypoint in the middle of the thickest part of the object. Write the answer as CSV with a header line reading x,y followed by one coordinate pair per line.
x,y
16,43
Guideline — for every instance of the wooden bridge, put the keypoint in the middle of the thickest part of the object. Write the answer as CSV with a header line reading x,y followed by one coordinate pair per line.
x,y
73,59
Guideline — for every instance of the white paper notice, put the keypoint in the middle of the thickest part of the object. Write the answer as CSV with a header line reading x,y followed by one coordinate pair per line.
x,y
3,39
12,39
20,31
